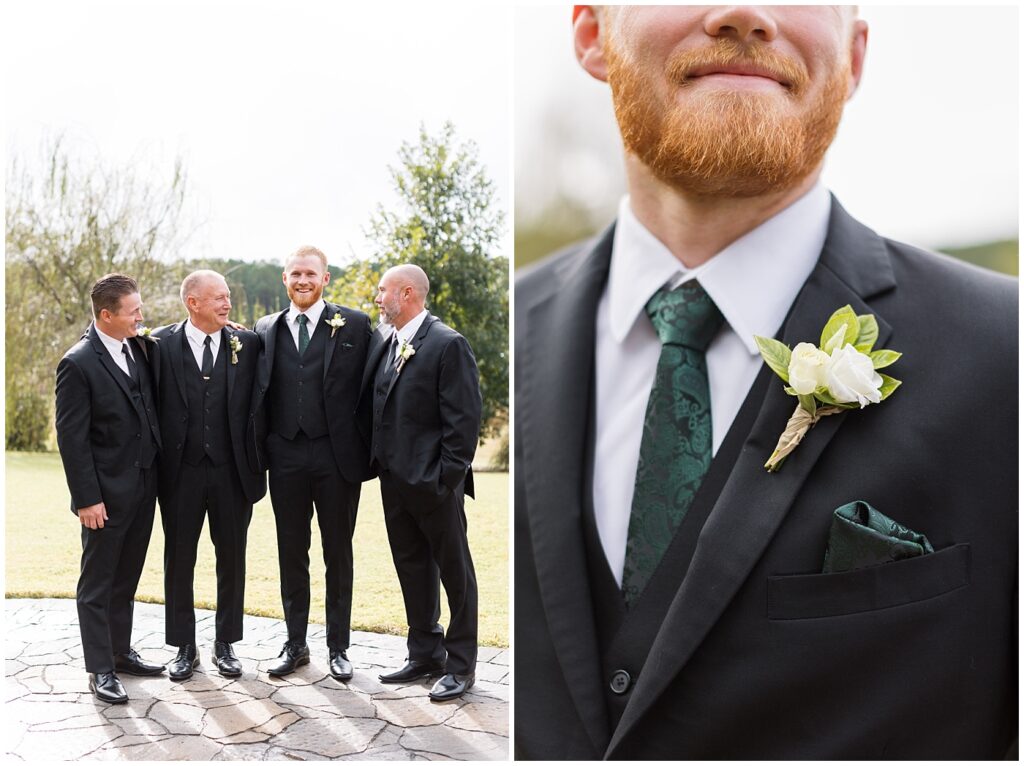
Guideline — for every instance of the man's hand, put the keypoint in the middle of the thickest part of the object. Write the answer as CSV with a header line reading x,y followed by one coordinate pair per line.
x,y
93,516
236,326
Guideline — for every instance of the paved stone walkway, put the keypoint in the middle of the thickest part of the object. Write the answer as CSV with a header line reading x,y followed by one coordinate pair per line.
x,y
49,713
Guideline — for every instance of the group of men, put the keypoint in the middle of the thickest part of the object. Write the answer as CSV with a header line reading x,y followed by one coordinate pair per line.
x,y
197,413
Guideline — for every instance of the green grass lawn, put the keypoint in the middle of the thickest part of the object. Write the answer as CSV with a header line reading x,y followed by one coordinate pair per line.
x,y
44,548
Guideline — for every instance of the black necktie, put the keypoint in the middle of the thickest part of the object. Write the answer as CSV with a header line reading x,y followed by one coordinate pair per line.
x,y
133,371
393,354
207,369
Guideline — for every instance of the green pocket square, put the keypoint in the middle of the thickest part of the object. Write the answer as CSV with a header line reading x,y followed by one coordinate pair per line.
x,y
862,537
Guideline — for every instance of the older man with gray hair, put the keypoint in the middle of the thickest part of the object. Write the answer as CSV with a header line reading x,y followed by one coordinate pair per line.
x,y
207,467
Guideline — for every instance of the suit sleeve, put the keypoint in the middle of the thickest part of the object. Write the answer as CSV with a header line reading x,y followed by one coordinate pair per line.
x,y
460,405
74,415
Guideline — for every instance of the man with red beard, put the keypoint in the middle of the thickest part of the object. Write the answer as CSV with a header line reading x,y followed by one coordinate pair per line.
x,y
674,599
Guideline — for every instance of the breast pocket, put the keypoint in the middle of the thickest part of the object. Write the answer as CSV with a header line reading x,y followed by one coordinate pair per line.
x,y
800,597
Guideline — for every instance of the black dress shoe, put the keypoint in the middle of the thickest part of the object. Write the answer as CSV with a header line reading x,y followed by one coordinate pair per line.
x,y
341,668
412,671
451,686
224,658
291,657
131,663
184,663
107,688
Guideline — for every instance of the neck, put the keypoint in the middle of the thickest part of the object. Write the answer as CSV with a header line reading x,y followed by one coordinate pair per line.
x,y
110,333
209,329
404,319
693,227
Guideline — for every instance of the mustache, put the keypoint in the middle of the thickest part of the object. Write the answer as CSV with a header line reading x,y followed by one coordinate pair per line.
x,y
724,52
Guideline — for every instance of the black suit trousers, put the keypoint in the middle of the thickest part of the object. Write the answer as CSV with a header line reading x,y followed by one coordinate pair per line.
x,y
200,491
304,475
429,548
112,562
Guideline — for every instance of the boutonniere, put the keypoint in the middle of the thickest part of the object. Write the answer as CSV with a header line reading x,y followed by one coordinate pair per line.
x,y
236,346
147,333
839,375
337,321
405,351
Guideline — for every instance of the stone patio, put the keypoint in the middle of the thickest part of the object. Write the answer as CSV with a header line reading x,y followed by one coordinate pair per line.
x,y
49,713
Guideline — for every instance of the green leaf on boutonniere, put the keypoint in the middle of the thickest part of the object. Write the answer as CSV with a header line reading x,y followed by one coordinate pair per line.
x,y
808,403
842,328
823,396
883,358
888,386
776,355
867,334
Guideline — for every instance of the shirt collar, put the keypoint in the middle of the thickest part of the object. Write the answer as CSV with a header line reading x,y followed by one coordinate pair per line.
x,y
410,328
113,345
312,313
198,337
753,281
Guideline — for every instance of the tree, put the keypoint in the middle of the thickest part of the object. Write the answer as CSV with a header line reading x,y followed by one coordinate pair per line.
x,y
448,223
67,225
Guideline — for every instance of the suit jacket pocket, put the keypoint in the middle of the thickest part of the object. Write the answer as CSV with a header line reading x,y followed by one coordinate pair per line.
x,y
797,597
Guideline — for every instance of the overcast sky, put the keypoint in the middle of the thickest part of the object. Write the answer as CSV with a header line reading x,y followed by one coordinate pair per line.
x,y
927,151
285,114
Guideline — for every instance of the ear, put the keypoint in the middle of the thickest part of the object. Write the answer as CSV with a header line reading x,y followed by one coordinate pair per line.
x,y
858,49
586,32
284,277
327,277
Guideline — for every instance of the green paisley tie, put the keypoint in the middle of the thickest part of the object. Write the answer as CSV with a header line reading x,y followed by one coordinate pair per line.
x,y
675,451
302,319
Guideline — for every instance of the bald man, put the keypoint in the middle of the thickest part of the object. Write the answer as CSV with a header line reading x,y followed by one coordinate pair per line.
x,y
205,388
422,382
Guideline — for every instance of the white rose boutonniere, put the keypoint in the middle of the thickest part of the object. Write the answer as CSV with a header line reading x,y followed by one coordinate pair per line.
x,y
405,352
337,321
840,375
236,346
146,332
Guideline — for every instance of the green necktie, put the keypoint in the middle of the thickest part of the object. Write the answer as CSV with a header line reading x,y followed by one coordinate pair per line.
x,y
303,333
675,450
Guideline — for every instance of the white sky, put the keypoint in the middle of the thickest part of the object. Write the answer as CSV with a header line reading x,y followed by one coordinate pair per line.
x,y
286,114
927,151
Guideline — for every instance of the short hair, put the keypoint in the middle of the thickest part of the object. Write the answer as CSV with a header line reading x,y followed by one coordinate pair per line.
x,y
305,250
191,282
108,291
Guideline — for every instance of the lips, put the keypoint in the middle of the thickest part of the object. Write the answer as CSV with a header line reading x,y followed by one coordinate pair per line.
x,y
737,70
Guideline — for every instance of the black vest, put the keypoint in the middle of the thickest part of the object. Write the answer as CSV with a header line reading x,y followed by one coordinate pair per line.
x,y
297,385
208,433
625,636
143,400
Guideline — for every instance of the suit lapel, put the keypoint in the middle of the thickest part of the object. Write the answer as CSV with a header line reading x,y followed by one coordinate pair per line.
x,y
559,356
377,347
225,348
853,267
176,342
269,342
111,366
329,310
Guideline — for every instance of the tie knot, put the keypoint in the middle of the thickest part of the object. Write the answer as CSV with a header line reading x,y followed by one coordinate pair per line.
x,y
685,316
302,319
206,341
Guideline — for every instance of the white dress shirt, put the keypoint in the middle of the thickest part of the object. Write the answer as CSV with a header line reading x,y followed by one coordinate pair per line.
x,y
114,346
312,314
196,338
753,282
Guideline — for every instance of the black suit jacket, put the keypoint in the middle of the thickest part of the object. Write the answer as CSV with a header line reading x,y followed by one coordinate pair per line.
x,y
428,428
758,654
344,358
99,424
173,405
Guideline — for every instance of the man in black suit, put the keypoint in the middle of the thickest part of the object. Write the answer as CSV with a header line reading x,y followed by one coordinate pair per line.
x,y
730,640
307,390
109,437
207,375
422,383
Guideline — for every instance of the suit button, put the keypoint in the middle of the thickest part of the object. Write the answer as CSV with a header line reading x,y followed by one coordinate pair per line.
x,y
137,464
620,681
183,418
138,436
